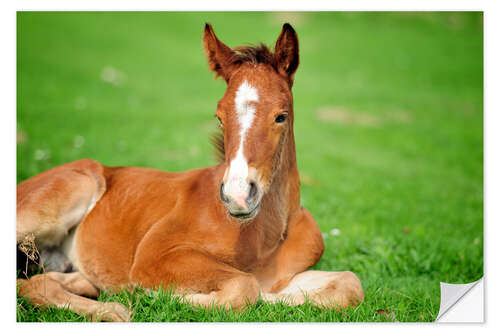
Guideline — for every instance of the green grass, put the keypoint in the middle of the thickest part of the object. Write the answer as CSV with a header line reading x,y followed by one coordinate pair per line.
x,y
389,134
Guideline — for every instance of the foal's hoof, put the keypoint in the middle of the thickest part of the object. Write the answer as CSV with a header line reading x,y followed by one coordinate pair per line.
x,y
112,311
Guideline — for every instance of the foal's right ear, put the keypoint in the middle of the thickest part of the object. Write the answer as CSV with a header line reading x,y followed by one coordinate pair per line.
x,y
219,55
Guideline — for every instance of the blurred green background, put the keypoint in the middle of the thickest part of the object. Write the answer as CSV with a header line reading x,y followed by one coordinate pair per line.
x,y
389,127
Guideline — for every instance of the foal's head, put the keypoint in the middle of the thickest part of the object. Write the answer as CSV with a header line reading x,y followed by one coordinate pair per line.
x,y
255,114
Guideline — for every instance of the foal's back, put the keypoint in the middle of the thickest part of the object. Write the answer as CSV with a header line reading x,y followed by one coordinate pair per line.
x,y
93,218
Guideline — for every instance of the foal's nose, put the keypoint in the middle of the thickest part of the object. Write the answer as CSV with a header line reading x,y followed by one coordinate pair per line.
x,y
243,199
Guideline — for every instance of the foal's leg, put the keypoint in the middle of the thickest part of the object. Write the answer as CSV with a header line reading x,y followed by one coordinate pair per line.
x,y
57,289
198,277
75,283
53,202
329,289
48,206
284,276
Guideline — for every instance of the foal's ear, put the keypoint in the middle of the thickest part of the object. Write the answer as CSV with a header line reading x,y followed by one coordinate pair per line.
x,y
219,55
286,52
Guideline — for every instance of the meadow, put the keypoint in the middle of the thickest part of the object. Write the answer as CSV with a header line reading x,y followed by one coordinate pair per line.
x,y
388,129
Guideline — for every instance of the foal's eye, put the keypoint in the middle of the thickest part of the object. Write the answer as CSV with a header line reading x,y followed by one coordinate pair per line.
x,y
281,118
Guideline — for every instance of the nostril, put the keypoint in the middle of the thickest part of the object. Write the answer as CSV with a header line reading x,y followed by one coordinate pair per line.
x,y
253,190
221,193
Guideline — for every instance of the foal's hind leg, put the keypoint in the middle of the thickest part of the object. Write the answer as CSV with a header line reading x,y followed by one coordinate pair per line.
x,y
57,289
48,206
53,202
75,283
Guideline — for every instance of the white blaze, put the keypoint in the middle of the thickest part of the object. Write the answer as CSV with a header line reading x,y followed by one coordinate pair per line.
x,y
238,169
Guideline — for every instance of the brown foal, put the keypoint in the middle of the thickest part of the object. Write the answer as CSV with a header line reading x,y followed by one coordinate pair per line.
x,y
223,235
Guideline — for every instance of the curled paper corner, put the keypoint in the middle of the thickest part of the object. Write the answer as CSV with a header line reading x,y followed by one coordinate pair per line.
x,y
462,303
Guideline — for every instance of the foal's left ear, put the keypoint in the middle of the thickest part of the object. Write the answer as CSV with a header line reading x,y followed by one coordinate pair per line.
x,y
286,52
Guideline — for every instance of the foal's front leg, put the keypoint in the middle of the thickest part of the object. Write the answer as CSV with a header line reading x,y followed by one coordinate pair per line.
x,y
196,276
284,277
328,289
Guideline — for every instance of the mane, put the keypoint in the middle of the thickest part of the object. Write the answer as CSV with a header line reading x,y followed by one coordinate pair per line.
x,y
259,54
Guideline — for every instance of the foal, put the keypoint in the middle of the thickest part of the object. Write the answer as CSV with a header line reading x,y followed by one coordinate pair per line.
x,y
225,235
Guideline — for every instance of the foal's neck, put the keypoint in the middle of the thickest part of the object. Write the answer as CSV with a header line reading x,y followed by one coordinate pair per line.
x,y
282,200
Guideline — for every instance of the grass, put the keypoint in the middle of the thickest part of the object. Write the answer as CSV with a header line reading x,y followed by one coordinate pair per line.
x,y
389,134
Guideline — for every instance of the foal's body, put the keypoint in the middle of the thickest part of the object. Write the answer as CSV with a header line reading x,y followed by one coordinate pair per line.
x,y
173,219
216,242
